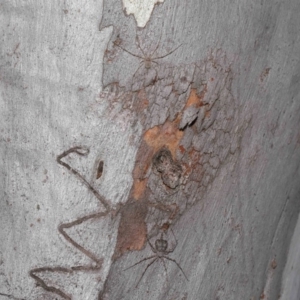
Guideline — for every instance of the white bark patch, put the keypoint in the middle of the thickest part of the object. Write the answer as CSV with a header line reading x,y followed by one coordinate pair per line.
x,y
141,9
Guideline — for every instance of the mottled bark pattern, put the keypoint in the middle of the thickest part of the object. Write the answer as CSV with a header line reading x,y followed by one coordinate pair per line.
x,y
187,111
191,130
190,121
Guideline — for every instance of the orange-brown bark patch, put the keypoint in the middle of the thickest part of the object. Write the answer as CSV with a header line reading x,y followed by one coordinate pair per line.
x,y
132,229
167,135
202,94
193,99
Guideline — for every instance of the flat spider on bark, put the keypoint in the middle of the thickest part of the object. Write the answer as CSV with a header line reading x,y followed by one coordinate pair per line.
x,y
11,297
140,208
161,251
146,60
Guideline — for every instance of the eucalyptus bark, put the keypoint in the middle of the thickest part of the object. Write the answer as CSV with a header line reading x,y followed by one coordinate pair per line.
x,y
149,151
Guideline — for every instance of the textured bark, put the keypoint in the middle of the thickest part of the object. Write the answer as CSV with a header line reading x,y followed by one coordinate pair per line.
x,y
176,177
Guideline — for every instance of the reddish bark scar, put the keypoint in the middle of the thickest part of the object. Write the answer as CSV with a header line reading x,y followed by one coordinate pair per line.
x,y
132,232
155,138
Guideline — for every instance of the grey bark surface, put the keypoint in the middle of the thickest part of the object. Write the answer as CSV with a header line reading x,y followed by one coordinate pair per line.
x,y
195,117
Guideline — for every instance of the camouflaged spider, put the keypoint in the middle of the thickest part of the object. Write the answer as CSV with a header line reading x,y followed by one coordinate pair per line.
x,y
11,297
127,210
161,251
146,59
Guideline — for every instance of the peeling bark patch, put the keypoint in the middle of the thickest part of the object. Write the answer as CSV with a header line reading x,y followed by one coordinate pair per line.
x,y
157,101
194,99
194,116
191,109
190,126
159,143
167,135
141,9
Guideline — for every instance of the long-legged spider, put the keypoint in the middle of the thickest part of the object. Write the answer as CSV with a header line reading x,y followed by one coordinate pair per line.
x,y
160,253
146,59
10,296
97,262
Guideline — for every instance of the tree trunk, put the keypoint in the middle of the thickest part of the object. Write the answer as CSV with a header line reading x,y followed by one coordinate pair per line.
x,y
149,151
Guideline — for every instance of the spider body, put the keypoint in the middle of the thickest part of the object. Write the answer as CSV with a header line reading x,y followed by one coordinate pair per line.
x,y
160,253
161,245
147,60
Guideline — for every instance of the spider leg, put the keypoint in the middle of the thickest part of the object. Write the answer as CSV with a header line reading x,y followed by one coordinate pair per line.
x,y
165,208
152,247
42,283
156,45
159,57
146,270
139,45
140,65
177,264
82,151
170,251
10,296
62,227
144,259
165,267
131,53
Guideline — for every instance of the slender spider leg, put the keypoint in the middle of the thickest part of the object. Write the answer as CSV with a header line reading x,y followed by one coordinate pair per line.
x,y
140,65
177,264
48,288
170,251
98,261
139,45
85,151
159,57
166,208
156,45
11,297
82,151
147,59
165,267
152,247
144,259
146,270
129,52
133,54
62,227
